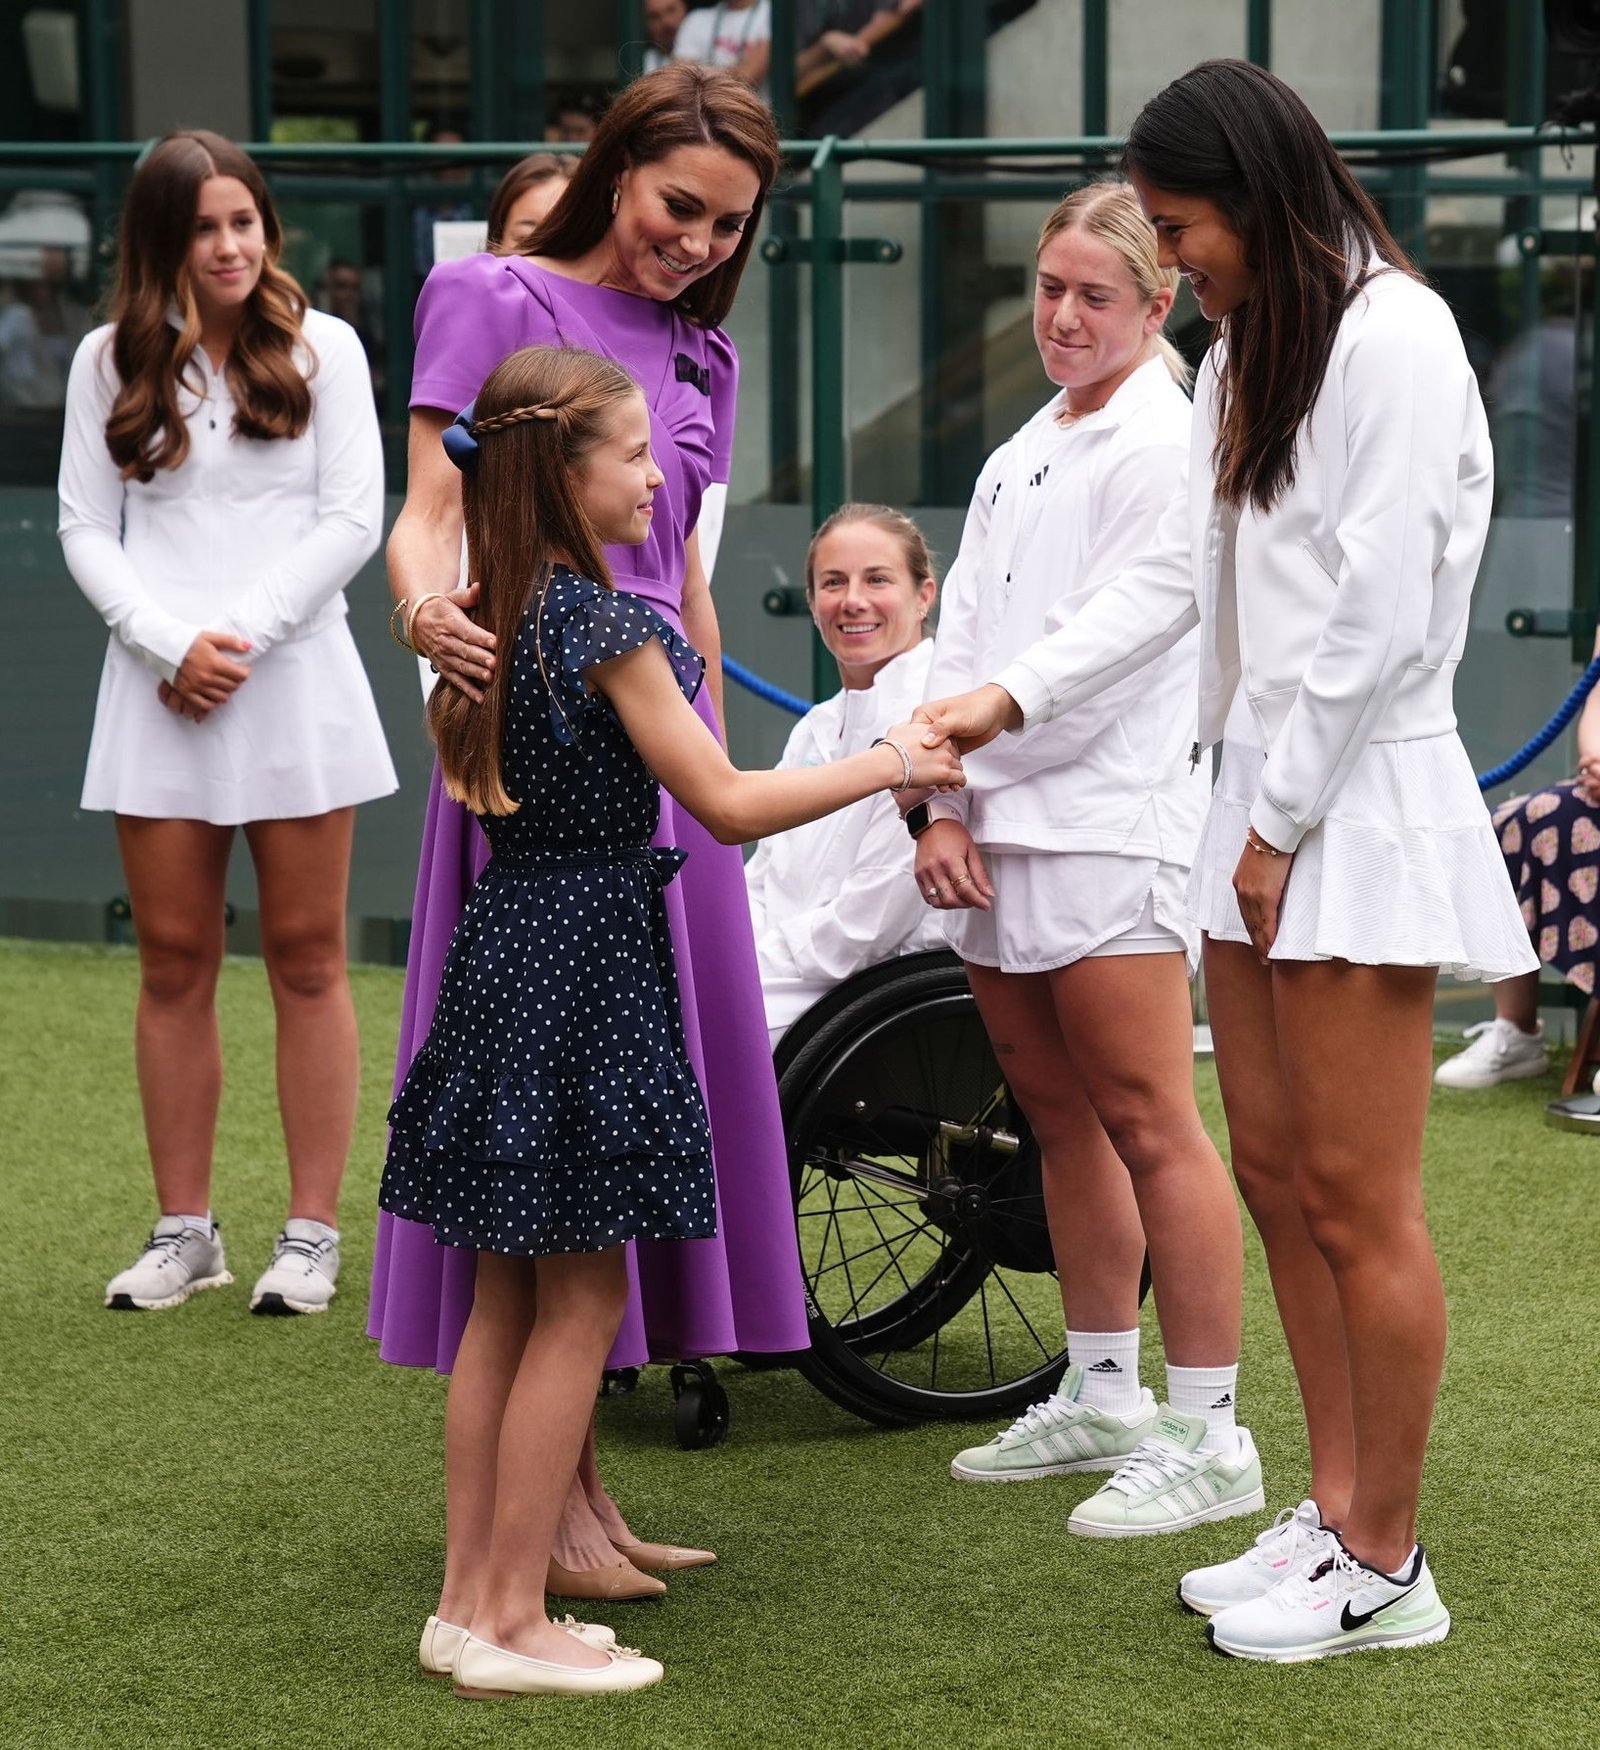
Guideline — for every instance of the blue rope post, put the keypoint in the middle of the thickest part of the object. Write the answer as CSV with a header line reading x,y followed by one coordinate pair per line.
x,y
764,689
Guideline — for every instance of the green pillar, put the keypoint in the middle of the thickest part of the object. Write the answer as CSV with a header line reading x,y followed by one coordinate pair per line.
x,y
399,266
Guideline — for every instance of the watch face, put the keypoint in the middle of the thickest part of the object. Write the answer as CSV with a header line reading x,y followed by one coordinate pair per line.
x,y
918,819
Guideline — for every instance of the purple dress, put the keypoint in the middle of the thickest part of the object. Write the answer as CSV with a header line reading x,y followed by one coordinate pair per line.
x,y
741,1289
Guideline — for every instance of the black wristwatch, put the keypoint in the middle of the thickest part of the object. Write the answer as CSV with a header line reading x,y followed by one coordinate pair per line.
x,y
917,819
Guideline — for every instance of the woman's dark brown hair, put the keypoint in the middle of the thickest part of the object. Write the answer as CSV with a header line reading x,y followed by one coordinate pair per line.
x,y
272,398
526,173
538,414
681,104
1238,137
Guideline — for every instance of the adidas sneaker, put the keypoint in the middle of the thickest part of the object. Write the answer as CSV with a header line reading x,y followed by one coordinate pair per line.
x,y
1168,1484
178,1260
1057,1437
1340,1606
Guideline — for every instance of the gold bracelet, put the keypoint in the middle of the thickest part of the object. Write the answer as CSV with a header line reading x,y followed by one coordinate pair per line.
x,y
433,595
398,611
1256,843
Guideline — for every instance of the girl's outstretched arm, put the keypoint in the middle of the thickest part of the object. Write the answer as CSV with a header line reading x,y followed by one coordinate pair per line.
x,y
733,805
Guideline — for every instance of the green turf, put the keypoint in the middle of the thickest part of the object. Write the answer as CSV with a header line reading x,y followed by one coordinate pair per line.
x,y
224,1531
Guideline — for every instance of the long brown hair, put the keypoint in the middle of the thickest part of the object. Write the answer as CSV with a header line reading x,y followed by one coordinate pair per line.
x,y
1240,138
538,415
1110,211
681,104
272,398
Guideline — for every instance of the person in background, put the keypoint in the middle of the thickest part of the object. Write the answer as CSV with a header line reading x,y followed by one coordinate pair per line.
x,y
1551,843
221,483
737,34
662,19
526,194
834,897
444,210
343,294
577,119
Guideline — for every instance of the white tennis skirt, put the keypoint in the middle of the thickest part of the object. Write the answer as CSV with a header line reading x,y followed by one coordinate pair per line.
x,y
1051,908
299,738
1404,870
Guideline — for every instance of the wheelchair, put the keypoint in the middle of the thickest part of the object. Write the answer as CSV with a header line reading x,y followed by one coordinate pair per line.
x,y
931,1288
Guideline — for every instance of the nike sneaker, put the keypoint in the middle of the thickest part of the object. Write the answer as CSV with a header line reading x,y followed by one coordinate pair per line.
x,y
1168,1484
1296,1540
1340,1606
1057,1437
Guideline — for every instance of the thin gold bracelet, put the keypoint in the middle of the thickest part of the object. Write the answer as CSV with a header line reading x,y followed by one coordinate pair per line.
x,y
433,595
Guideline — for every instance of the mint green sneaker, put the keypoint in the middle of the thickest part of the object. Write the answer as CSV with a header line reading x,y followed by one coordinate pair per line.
x,y
1167,1485
1057,1437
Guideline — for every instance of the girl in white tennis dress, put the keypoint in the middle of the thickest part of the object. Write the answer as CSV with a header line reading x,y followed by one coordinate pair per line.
x,y
221,483
1060,877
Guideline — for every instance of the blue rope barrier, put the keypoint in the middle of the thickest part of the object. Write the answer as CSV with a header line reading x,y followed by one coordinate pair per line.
x,y
1526,755
764,689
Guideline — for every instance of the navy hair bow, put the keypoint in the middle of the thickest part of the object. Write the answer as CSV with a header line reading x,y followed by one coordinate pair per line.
x,y
459,443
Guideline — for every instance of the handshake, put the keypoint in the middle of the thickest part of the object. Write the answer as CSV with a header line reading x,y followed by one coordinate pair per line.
x,y
932,744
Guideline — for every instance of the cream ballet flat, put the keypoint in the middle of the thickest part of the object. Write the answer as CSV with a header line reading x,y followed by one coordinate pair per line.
x,y
442,1641
488,1673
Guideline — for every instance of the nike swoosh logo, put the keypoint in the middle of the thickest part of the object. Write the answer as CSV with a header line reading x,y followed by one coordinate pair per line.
x,y
1352,1619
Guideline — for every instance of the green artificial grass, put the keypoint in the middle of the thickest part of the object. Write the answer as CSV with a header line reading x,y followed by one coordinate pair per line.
x,y
226,1531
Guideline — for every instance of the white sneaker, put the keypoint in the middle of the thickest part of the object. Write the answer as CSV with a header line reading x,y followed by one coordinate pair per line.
x,y
1057,1437
1500,1052
178,1260
1296,1540
304,1271
1169,1485
1342,1606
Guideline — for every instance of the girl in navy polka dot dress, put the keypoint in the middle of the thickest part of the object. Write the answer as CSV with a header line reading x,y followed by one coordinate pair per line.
x,y
552,1113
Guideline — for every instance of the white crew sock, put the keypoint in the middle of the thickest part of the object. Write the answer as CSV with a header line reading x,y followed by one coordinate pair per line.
x,y
1110,1363
201,1223
1208,1392
302,1227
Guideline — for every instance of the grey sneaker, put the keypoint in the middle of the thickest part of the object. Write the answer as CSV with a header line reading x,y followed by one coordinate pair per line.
x,y
177,1261
1500,1052
303,1274
1057,1437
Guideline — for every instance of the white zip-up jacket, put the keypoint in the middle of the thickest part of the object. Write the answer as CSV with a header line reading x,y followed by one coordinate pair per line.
x,y
1058,514
838,894
1342,611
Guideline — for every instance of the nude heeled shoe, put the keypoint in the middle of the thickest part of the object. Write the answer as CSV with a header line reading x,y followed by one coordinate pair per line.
x,y
614,1584
665,1557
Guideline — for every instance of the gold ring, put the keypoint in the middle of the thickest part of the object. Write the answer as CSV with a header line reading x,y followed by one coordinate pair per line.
x,y
959,880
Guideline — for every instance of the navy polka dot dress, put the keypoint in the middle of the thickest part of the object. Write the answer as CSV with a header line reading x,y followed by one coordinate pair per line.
x,y
552,1107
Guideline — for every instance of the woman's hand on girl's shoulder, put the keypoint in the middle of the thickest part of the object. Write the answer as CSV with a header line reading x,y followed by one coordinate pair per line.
x,y
457,646
932,768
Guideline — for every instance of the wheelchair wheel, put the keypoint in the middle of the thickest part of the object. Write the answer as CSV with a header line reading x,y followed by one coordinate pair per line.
x,y
930,1280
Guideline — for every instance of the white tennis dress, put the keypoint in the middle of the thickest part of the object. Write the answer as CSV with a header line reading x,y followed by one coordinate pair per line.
x,y
253,537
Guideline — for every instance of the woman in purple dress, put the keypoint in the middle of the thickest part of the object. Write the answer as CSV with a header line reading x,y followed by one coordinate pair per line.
x,y
639,261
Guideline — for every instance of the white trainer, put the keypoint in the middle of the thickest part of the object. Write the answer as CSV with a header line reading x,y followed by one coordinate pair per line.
x,y
1341,1606
1295,1541
1500,1052
304,1273
1057,1437
178,1260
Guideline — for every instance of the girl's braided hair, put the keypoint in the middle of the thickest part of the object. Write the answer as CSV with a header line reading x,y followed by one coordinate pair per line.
x,y
546,408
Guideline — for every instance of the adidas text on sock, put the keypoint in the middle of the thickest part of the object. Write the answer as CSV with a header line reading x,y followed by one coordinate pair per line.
x,y
1208,1392
1110,1363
